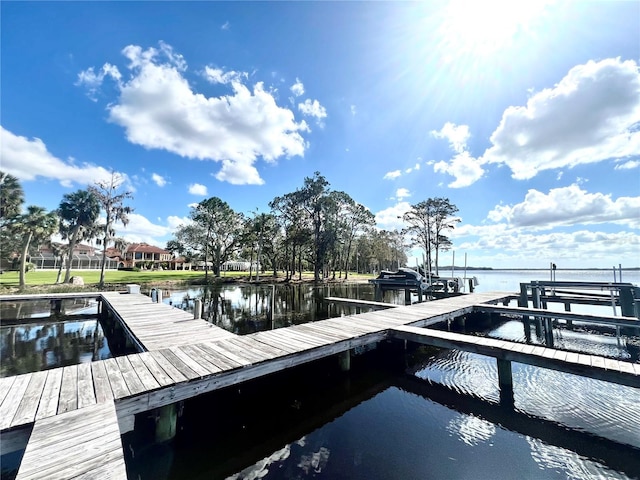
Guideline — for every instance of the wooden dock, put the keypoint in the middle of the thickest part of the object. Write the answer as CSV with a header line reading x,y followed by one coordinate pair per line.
x,y
157,325
186,357
80,444
592,366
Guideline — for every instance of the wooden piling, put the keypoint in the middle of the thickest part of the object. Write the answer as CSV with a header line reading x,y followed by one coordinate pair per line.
x,y
166,421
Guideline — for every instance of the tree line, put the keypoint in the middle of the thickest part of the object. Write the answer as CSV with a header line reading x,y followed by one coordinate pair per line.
x,y
313,228
76,219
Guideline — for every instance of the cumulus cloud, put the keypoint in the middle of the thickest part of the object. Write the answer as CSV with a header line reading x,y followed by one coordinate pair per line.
x,y
217,75
297,88
92,80
312,108
402,193
198,189
159,180
568,206
457,135
587,117
391,218
141,229
590,116
27,159
465,168
158,109
629,165
391,175
524,249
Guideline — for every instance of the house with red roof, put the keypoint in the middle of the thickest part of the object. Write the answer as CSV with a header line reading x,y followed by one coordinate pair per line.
x,y
141,254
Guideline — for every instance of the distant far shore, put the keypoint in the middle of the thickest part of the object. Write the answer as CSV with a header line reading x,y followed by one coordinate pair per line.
x,y
445,268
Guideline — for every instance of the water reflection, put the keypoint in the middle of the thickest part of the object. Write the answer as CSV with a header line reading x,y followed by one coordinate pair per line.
x,y
31,348
244,309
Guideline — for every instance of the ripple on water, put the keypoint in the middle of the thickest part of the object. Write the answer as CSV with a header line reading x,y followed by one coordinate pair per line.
x,y
601,408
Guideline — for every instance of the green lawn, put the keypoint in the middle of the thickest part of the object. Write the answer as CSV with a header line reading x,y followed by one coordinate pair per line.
x,y
46,278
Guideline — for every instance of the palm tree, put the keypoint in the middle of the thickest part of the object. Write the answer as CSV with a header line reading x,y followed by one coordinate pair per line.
x,y
36,225
113,204
11,196
11,200
78,213
59,251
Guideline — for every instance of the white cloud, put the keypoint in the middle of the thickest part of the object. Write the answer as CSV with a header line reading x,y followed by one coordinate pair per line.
x,y
27,159
225,26
159,179
159,110
92,81
173,221
217,75
587,117
353,110
239,173
392,175
581,249
629,165
568,206
141,229
402,193
388,218
312,108
198,189
297,88
457,135
465,168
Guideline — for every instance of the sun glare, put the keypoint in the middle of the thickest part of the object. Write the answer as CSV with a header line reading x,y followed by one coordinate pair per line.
x,y
483,27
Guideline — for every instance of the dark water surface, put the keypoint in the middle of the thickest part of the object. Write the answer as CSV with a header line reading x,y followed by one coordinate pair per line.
x,y
427,414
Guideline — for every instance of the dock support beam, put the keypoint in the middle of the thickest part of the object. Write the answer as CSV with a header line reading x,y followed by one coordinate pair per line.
x,y
505,382
166,421
407,296
344,359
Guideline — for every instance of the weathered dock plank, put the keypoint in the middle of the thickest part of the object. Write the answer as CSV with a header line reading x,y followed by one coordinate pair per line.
x,y
28,407
48,406
12,400
75,444
101,385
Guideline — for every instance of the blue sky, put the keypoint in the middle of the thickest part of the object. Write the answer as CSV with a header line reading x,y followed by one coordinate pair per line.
x,y
525,115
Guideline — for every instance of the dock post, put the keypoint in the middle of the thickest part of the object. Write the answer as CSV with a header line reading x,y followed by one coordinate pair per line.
x,y
378,293
548,332
56,307
197,308
505,382
166,420
407,296
159,293
523,300
344,358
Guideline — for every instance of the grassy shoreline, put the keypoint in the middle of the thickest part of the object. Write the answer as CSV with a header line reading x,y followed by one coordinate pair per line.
x,y
44,281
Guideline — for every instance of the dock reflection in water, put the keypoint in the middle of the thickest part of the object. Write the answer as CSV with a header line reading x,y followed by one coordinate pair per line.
x,y
437,416
43,345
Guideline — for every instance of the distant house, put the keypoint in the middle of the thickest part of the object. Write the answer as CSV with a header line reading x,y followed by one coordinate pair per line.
x,y
84,257
138,254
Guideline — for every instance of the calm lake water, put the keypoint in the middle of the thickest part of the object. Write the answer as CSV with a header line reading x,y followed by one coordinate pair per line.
x,y
429,414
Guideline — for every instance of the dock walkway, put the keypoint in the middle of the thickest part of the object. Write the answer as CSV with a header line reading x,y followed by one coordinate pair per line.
x,y
157,325
186,358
